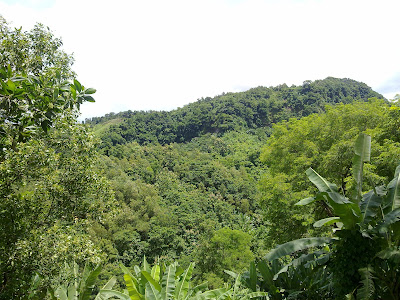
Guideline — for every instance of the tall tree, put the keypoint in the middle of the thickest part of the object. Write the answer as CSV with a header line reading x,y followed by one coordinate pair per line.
x,y
48,186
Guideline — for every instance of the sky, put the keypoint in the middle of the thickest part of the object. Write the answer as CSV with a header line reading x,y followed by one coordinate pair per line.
x,y
164,54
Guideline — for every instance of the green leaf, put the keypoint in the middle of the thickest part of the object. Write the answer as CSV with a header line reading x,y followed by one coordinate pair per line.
x,y
87,282
367,289
155,272
73,92
55,93
9,71
179,270
107,294
362,147
390,254
231,273
268,276
297,245
362,150
306,201
200,287
393,195
58,75
109,285
369,206
326,221
321,183
65,88
151,280
88,98
182,287
46,124
152,293
89,91
348,211
389,219
61,293
253,277
77,85
211,294
132,284
11,85
18,78
168,282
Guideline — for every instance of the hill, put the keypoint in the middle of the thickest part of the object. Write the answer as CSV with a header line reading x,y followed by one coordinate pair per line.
x,y
257,107
182,176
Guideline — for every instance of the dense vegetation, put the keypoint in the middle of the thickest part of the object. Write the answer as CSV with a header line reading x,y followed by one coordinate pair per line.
x,y
203,193
255,108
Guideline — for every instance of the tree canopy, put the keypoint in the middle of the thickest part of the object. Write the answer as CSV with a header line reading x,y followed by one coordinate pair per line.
x,y
255,108
48,185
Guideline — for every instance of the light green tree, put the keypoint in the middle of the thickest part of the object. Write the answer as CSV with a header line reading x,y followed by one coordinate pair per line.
x,y
226,249
48,184
323,142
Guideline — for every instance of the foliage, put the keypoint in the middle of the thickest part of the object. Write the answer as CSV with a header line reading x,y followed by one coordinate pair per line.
x,y
298,280
255,108
74,284
78,286
324,142
34,90
50,191
174,196
36,52
366,227
165,282
173,282
227,249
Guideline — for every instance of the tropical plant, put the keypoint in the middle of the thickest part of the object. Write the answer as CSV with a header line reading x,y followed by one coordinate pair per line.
x,y
240,291
75,285
171,281
291,281
364,259
165,282
78,286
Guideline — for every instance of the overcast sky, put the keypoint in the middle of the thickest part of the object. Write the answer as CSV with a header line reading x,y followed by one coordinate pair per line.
x,y
163,54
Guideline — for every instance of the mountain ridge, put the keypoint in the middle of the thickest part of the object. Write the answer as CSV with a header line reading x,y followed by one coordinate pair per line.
x,y
251,109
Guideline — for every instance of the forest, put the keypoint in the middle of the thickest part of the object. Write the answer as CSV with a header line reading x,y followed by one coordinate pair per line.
x,y
285,192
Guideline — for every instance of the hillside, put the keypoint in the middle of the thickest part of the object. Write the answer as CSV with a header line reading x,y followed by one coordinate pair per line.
x,y
218,187
257,107
182,176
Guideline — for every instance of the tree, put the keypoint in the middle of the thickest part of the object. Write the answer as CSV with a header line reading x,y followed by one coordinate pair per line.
x,y
36,52
365,240
48,185
35,88
226,250
323,142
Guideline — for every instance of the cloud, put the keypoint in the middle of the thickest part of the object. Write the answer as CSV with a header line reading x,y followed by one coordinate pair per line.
x,y
391,86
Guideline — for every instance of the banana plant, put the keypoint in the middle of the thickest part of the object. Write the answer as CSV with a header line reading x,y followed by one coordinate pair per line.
x,y
82,285
374,216
162,282
297,280
239,291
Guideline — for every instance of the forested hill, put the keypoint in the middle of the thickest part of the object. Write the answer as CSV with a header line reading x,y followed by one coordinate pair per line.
x,y
257,107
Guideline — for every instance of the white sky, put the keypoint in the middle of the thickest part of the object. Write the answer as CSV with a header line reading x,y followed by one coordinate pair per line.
x,y
163,54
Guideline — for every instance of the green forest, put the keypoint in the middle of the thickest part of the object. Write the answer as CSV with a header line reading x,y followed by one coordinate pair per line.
x,y
285,192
